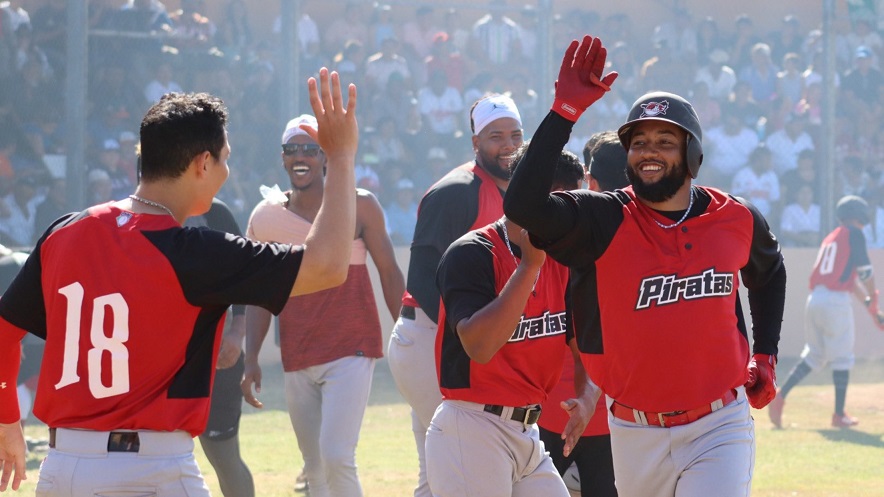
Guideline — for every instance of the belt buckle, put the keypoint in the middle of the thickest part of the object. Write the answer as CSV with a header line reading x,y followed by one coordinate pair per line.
x,y
528,411
123,441
661,416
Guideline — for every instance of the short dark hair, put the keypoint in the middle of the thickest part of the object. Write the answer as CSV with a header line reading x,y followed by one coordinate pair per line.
x,y
178,128
606,160
569,169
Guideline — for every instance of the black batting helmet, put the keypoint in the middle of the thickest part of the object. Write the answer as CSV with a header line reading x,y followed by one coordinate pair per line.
x,y
852,208
671,108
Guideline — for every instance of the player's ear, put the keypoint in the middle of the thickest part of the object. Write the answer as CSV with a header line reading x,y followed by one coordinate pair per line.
x,y
475,143
201,163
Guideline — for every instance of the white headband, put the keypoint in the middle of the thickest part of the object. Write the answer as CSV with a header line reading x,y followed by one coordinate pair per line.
x,y
293,127
493,108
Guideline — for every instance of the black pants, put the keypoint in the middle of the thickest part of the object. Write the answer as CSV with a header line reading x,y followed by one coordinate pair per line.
x,y
595,465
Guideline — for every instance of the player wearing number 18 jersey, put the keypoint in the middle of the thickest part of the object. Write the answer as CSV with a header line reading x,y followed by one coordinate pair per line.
x,y
130,304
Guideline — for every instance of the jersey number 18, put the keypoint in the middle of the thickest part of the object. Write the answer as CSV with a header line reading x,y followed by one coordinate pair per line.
x,y
113,344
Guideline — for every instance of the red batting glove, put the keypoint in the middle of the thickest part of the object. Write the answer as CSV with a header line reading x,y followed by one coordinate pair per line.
x,y
762,385
580,81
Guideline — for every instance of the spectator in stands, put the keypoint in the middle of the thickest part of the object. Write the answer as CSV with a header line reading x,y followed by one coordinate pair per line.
x,y
26,50
162,83
99,188
109,161
861,84
30,87
397,102
191,29
761,74
495,37
144,16
811,104
800,224
16,13
852,178
441,106
445,58
622,59
50,31
757,182
437,165
349,26
708,109
805,174
788,39
350,63
51,208
458,35
234,34
418,33
874,231
526,99
680,37
382,25
741,43
865,35
708,39
387,143
718,76
787,143
790,81
402,213
728,148
17,212
382,64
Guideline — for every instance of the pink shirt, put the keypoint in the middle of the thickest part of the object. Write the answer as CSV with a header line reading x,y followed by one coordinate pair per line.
x,y
321,327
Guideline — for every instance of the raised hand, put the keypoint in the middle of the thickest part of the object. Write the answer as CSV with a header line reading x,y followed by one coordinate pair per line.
x,y
580,81
338,133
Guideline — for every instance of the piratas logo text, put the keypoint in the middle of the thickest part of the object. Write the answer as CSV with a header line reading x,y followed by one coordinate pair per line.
x,y
668,289
541,326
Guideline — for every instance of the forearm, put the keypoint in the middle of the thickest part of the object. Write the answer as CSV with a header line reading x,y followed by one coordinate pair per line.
x,y
486,331
766,306
257,322
10,361
237,329
393,286
528,201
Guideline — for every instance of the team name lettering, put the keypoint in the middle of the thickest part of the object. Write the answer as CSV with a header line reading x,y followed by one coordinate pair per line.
x,y
662,290
541,326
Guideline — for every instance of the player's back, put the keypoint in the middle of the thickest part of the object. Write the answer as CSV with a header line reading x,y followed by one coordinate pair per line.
x,y
129,305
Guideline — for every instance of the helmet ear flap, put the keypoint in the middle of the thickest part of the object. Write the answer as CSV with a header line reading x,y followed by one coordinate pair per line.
x,y
694,155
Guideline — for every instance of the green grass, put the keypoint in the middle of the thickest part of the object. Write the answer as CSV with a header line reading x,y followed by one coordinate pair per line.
x,y
807,459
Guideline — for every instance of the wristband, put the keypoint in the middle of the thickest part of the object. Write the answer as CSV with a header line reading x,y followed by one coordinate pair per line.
x,y
566,110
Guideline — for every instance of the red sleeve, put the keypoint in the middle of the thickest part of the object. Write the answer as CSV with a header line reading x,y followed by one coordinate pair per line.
x,y
10,359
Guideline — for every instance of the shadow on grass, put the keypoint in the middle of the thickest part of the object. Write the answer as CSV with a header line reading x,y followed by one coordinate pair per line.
x,y
854,437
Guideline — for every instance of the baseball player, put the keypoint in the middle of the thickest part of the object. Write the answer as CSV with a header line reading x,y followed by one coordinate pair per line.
x,y
672,353
605,171
468,197
502,327
220,440
328,369
130,304
842,268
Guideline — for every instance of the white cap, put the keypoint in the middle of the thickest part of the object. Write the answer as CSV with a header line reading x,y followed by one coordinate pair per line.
x,y
492,108
293,127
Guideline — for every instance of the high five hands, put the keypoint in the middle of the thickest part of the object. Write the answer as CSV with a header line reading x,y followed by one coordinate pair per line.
x,y
580,81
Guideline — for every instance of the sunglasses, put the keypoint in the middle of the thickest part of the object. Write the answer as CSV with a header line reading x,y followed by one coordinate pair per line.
x,y
307,149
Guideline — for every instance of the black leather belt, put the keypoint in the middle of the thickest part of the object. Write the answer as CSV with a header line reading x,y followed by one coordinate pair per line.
x,y
524,415
117,441
407,312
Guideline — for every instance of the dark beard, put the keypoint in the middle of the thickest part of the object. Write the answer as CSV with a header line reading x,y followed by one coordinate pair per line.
x,y
662,190
492,166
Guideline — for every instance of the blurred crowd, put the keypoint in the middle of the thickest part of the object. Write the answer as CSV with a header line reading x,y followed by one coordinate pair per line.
x,y
419,69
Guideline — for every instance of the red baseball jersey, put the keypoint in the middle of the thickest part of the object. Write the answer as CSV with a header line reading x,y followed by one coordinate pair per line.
x,y
471,274
131,307
841,253
668,301
465,199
